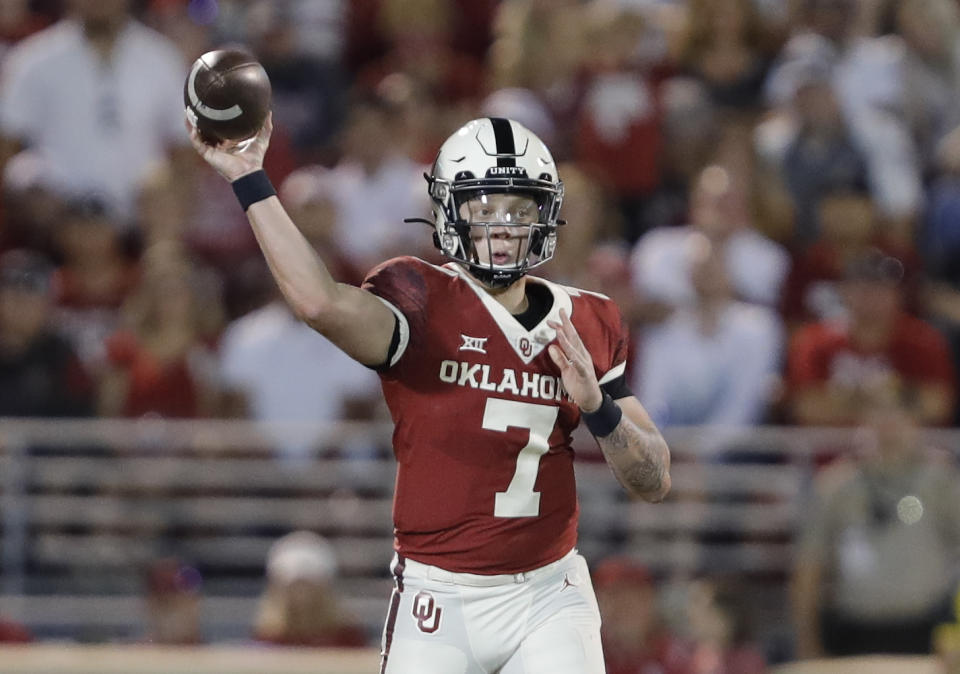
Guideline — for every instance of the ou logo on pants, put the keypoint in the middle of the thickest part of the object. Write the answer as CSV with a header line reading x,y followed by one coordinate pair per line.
x,y
426,612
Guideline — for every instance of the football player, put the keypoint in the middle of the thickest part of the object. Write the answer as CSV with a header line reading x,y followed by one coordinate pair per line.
x,y
486,371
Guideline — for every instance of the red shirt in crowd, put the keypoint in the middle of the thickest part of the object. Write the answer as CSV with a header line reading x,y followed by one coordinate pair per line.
x,y
165,389
916,354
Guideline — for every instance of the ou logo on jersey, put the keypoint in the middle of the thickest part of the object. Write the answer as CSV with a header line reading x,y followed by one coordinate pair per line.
x,y
526,348
426,612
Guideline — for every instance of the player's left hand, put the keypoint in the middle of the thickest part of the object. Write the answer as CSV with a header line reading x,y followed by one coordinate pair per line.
x,y
576,366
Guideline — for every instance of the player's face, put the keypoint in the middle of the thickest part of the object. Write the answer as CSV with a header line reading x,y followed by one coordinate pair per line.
x,y
499,228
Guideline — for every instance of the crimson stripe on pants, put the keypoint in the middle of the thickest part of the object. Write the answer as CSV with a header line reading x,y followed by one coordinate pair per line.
x,y
392,615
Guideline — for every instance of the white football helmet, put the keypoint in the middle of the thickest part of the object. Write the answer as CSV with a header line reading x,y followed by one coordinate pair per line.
x,y
493,155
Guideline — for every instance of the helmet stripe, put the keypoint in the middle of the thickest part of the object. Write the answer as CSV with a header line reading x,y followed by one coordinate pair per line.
x,y
503,137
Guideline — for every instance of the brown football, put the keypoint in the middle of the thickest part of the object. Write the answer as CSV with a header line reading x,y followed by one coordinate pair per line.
x,y
227,94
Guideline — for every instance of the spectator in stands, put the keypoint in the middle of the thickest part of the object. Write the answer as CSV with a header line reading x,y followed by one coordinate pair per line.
x,y
833,365
376,186
814,289
525,55
807,146
635,638
618,130
714,362
756,266
312,194
876,562
40,374
721,630
931,40
691,126
270,366
99,96
723,45
29,210
160,213
94,278
159,363
421,45
173,597
940,245
301,605
867,77
308,92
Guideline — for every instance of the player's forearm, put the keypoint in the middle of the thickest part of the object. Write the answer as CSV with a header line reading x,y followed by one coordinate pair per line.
x,y
302,277
639,458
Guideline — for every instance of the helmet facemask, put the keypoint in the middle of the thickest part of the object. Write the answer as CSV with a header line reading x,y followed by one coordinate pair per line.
x,y
498,228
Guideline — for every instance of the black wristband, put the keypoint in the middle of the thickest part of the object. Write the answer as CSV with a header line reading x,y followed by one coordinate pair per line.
x,y
604,419
252,188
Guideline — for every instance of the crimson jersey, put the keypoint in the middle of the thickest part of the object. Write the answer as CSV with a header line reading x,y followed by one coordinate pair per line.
x,y
485,479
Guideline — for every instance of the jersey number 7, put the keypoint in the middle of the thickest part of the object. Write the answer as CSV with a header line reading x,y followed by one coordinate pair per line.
x,y
520,500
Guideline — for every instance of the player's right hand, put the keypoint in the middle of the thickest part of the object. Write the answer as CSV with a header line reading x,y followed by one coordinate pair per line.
x,y
234,159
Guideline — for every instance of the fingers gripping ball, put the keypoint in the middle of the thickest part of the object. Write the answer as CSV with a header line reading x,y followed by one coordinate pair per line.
x,y
227,94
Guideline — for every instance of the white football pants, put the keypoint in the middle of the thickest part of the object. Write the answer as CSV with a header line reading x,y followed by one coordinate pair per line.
x,y
543,621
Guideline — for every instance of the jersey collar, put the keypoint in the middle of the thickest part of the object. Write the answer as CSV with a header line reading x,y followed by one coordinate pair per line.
x,y
527,344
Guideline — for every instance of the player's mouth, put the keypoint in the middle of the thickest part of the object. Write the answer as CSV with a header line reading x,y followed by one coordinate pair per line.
x,y
502,258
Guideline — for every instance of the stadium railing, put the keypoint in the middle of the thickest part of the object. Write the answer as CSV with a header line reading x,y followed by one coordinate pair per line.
x,y
85,505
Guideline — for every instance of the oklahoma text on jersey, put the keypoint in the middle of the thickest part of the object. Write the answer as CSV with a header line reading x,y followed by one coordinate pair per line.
x,y
524,384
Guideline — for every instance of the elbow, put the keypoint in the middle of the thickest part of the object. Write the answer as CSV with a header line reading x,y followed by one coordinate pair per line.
x,y
311,313
315,310
659,492
647,479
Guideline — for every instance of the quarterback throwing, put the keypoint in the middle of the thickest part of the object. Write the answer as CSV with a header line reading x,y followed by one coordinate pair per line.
x,y
487,371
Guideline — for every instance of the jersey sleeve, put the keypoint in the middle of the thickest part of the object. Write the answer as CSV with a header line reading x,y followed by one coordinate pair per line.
x,y
613,379
400,284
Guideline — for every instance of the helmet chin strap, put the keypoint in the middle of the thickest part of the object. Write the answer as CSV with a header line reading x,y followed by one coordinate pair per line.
x,y
494,278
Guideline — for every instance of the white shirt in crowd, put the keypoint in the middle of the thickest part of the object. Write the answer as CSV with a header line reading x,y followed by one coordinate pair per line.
x,y
287,371
371,209
100,124
688,377
660,266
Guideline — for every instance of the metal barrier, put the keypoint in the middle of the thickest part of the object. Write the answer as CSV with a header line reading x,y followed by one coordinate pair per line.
x,y
86,504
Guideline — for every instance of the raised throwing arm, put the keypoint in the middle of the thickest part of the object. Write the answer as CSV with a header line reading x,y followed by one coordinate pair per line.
x,y
353,319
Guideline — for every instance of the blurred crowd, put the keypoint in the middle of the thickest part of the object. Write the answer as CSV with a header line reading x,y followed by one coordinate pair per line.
x,y
770,189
